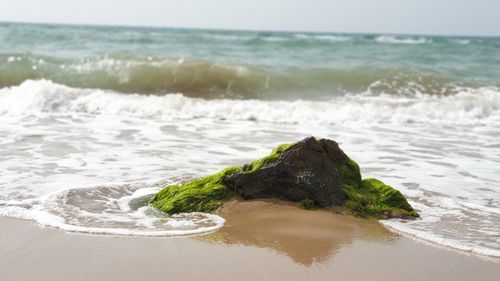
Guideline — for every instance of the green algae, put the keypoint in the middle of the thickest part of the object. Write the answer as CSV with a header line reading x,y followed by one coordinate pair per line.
x,y
258,164
365,198
371,197
201,195
209,193
351,173
376,199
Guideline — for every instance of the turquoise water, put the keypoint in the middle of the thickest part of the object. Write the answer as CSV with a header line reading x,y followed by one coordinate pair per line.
x,y
242,64
93,118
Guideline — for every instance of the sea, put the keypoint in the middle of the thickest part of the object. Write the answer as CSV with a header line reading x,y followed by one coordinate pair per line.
x,y
94,119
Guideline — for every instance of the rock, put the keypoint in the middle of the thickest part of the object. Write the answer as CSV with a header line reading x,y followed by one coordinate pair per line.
x,y
313,172
310,169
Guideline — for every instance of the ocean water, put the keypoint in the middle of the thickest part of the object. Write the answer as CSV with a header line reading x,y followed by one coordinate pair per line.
x,y
94,119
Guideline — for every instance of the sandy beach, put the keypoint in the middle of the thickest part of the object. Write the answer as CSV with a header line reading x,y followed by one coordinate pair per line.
x,y
260,241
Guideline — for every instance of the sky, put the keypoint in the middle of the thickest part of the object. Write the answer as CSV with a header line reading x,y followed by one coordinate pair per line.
x,y
439,17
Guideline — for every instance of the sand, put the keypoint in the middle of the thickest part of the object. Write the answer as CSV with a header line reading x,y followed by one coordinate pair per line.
x,y
260,241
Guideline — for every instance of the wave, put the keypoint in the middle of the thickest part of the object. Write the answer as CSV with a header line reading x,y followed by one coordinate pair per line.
x,y
333,38
470,106
404,229
461,41
275,37
112,209
207,79
130,74
401,40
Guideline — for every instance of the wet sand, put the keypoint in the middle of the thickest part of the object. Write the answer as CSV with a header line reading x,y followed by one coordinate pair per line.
x,y
260,241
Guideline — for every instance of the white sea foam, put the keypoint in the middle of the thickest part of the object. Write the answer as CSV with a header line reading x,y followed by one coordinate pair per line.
x,y
107,209
401,40
471,106
228,37
461,41
466,246
333,38
307,37
275,38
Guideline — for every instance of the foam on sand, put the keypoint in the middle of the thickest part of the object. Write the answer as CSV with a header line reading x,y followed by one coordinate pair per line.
x,y
109,209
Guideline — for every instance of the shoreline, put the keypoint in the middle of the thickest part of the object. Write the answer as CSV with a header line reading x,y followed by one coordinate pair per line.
x,y
234,205
260,240
447,246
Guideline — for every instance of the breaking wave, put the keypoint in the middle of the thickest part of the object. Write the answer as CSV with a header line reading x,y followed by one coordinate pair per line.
x,y
468,106
401,40
206,79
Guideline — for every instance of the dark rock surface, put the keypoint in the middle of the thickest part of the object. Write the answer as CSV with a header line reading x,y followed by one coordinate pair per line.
x,y
310,169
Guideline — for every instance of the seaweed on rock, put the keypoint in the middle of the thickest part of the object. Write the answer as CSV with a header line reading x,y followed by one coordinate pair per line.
x,y
201,195
316,173
209,193
376,199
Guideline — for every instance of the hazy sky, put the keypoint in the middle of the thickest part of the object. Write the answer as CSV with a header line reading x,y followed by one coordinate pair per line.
x,y
472,17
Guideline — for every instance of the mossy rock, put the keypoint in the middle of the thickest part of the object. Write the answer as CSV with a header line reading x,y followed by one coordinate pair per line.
x,y
201,195
376,199
209,193
315,172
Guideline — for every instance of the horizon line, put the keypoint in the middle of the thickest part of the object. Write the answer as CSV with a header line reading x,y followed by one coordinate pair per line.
x,y
243,29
